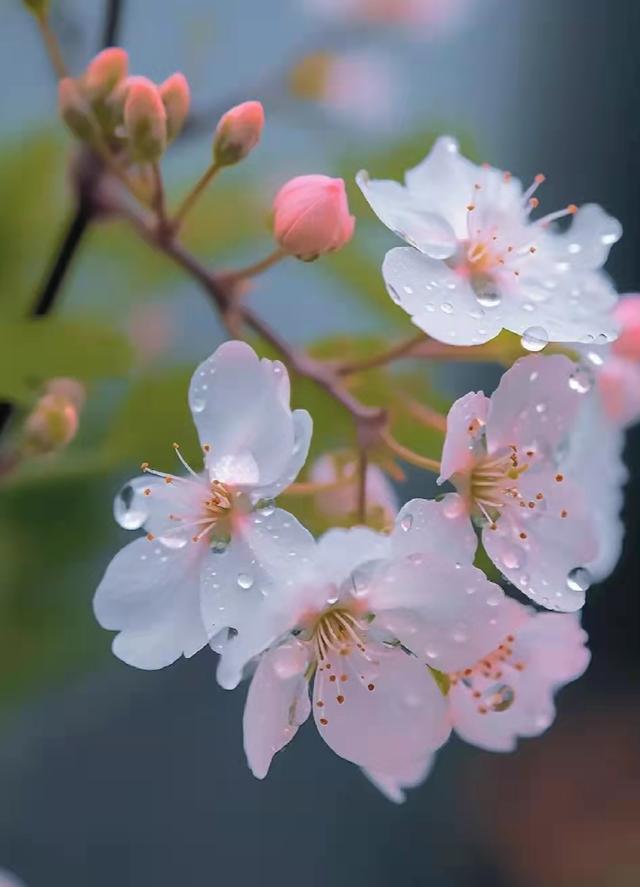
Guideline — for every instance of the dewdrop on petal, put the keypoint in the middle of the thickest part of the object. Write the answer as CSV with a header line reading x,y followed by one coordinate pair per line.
x,y
237,133
176,98
104,72
145,120
311,216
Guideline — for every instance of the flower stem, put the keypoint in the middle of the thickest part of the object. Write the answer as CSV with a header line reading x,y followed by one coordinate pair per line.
x,y
409,455
255,269
193,195
52,46
395,352
158,199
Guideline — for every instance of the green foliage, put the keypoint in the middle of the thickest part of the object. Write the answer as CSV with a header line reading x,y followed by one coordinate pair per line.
x,y
32,188
32,351
153,415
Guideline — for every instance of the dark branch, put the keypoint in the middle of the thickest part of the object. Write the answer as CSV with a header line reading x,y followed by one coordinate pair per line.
x,y
112,22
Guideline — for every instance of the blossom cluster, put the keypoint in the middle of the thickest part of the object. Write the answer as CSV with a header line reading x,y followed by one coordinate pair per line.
x,y
395,638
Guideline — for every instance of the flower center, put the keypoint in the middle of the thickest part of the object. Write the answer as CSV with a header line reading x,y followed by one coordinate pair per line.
x,y
486,680
337,630
205,506
494,483
499,240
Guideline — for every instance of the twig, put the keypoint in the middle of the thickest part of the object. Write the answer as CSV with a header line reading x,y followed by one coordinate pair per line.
x,y
407,454
405,348
369,420
112,22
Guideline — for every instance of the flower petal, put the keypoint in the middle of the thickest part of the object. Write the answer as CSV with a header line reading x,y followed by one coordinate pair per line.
x,y
447,615
430,528
258,587
151,595
240,405
440,300
407,774
341,551
389,710
277,704
593,461
535,405
587,242
549,652
539,550
396,207
466,417
302,431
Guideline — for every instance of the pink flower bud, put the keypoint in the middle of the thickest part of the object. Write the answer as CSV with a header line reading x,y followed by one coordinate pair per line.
x,y
311,216
627,313
105,72
145,120
176,98
54,421
238,132
75,110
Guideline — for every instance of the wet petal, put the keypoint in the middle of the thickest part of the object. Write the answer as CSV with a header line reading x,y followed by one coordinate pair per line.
x,y
258,587
535,405
277,704
447,615
586,244
539,550
389,710
396,207
240,405
440,300
151,595
430,528
593,461
465,421
549,651
340,551
407,774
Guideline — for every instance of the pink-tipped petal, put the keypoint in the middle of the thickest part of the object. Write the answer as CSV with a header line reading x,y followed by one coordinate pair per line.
x,y
466,420
277,704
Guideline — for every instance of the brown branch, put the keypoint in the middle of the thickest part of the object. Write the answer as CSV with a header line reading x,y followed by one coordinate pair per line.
x,y
405,348
369,420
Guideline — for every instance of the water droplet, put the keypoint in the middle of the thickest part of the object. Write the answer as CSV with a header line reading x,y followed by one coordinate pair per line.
x,y
407,522
447,307
219,544
360,583
500,697
129,508
197,404
416,559
579,579
408,290
245,581
488,297
534,338
267,507
512,558
173,542
493,600
596,359
581,380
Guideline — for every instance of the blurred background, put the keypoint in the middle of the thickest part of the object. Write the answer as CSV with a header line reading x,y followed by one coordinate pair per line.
x,y
112,776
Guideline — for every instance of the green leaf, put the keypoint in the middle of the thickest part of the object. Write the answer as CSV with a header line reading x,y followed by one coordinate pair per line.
x,y
32,351
153,415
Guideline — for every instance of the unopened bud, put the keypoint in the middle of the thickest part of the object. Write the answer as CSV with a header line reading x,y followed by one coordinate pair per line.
x,y
74,109
54,421
37,7
237,133
311,216
176,98
105,72
145,120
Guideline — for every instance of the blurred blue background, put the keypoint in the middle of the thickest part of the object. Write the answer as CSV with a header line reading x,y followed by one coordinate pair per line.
x,y
110,776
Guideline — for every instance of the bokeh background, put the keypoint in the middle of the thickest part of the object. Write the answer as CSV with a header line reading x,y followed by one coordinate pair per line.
x,y
111,777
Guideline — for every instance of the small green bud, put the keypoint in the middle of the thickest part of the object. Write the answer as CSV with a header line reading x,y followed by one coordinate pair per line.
x,y
74,109
237,133
145,120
